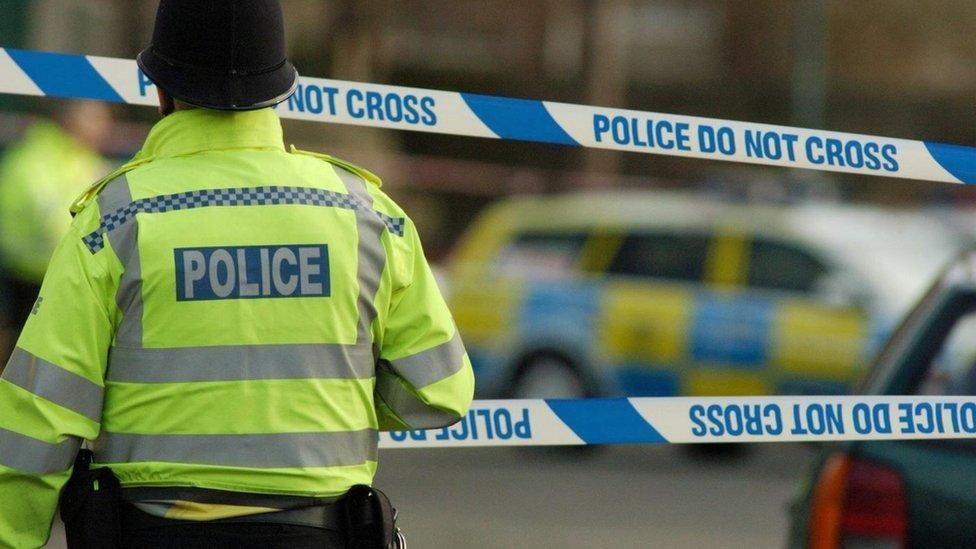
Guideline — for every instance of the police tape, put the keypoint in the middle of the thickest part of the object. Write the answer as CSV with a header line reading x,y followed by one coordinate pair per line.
x,y
26,72
686,420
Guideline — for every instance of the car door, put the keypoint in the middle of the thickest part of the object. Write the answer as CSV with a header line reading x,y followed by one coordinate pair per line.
x,y
816,342
647,306
730,327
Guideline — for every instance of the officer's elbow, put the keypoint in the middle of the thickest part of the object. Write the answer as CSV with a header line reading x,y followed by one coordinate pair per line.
x,y
439,404
452,396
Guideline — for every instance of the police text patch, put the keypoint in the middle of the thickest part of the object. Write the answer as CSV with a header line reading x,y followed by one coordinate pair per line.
x,y
248,272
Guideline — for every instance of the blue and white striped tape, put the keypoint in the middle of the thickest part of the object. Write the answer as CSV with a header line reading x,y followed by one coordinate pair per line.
x,y
100,78
684,420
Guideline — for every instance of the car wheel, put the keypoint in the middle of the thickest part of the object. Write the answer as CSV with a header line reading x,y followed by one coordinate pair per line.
x,y
548,376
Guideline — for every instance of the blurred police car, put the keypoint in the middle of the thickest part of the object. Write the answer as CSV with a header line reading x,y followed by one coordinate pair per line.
x,y
657,294
906,493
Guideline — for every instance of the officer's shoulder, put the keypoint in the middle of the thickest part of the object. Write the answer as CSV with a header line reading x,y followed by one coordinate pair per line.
x,y
92,192
348,166
381,201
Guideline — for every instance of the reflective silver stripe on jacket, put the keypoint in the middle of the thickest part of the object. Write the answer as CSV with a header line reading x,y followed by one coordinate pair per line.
x,y
277,450
240,363
430,366
371,255
36,457
125,241
52,382
405,404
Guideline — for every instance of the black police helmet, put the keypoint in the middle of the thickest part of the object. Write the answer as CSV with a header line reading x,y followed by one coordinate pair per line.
x,y
220,54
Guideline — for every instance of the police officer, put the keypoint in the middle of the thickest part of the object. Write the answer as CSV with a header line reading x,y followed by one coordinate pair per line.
x,y
229,322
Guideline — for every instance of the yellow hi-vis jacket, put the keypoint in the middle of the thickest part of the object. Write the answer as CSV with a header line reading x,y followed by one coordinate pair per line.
x,y
226,315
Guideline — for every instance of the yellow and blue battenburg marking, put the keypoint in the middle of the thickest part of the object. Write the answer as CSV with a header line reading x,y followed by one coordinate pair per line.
x,y
26,72
665,339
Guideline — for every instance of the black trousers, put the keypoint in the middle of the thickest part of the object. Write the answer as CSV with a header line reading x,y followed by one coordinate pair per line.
x,y
143,531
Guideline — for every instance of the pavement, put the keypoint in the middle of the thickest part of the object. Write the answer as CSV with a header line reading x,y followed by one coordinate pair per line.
x,y
649,496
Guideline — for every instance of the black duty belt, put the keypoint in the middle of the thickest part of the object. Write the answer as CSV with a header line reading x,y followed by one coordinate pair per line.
x,y
327,517
323,513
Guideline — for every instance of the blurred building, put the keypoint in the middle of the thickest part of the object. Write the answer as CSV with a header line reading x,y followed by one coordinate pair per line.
x,y
894,67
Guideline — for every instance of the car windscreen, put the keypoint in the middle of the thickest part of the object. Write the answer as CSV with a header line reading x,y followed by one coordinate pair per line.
x,y
941,360
952,367
891,357
934,351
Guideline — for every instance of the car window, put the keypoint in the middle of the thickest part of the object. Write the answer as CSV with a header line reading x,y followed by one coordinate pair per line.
x,y
777,265
662,255
542,254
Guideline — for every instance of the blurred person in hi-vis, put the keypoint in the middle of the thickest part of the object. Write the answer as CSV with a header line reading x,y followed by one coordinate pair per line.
x,y
39,177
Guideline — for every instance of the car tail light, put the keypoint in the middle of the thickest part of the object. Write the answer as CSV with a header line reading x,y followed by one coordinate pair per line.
x,y
858,504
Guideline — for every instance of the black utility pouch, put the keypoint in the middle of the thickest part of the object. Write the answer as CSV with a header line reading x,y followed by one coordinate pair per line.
x,y
370,519
90,506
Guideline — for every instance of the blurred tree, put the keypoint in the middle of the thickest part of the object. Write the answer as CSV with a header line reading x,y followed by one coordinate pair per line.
x,y
607,45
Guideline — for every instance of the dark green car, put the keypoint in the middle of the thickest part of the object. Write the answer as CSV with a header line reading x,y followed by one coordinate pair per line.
x,y
902,494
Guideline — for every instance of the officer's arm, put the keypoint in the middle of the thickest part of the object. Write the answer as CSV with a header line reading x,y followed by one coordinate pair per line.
x,y
51,390
425,378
